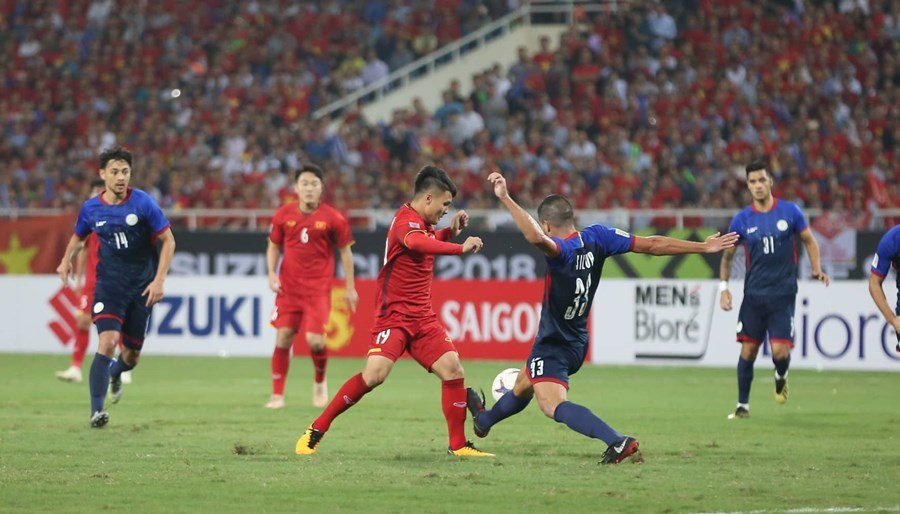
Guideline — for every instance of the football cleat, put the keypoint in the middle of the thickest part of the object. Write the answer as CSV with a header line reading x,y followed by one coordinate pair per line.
x,y
99,419
276,401
739,413
71,374
115,388
616,453
475,403
781,390
126,377
308,442
320,394
469,450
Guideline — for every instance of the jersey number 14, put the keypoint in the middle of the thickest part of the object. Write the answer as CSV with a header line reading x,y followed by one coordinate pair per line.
x,y
121,240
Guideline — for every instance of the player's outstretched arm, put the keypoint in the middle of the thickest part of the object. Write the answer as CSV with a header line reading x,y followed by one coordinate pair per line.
x,y
876,291
419,241
350,295
154,291
812,251
664,245
74,247
529,227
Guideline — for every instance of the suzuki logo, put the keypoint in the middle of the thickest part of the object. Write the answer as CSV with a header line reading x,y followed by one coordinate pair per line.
x,y
65,304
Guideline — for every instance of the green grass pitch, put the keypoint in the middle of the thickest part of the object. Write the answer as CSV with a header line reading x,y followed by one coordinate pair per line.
x,y
191,436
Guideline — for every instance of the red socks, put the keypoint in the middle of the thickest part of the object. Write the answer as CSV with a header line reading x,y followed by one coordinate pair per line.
x,y
281,361
349,393
320,362
453,401
82,338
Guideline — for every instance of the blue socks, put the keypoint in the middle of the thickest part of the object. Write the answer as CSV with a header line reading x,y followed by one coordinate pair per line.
x,y
508,405
745,378
583,421
781,367
118,367
99,381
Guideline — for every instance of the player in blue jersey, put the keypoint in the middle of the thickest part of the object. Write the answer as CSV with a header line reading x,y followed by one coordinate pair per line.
x,y
767,229
130,272
574,263
887,255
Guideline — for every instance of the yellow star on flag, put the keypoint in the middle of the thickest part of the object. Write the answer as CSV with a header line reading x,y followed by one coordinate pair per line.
x,y
17,260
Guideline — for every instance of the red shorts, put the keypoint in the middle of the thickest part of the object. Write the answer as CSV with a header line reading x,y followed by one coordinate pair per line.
x,y
86,300
425,340
304,315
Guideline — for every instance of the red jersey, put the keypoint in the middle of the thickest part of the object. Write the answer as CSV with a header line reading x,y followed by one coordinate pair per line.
x,y
308,242
90,267
404,282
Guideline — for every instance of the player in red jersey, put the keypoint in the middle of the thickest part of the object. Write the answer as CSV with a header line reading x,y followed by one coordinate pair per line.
x,y
86,266
307,231
405,320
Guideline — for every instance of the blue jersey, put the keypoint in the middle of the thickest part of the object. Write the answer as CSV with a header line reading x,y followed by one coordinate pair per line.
x,y
571,281
768,239
127,234
887,255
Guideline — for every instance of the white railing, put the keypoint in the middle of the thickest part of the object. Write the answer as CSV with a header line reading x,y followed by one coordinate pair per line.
x,y
454,51
489,219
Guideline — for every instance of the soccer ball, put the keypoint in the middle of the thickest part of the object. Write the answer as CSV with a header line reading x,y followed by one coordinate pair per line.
x,y
504,382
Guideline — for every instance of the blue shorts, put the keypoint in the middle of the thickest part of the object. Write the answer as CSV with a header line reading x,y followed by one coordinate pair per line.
x,y
554,362
773,315
128,315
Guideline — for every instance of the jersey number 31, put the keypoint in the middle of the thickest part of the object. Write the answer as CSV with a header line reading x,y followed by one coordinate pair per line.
x,y
579,304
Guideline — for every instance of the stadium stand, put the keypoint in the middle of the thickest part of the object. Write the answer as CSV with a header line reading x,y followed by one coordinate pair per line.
x,y
215,98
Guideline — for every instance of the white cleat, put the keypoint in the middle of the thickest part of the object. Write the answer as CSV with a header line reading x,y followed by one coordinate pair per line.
x,y
72,374
115,389
276,401
126,377
320,394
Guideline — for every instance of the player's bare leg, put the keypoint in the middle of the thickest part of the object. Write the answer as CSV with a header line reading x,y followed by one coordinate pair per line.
x,y
449,369
749,351
781,357
281,362
82,339
553,402
509,404
374,374
319,353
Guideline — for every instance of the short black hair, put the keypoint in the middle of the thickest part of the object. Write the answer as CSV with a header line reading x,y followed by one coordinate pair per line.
x,y
309,168
430,177
116,153
757,165
557,210
97,182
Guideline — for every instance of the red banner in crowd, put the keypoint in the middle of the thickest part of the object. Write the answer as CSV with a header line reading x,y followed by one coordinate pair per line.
x,y
485,319
33,245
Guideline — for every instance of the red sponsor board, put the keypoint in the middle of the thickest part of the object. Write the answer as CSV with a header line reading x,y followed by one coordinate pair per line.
x,y
485,319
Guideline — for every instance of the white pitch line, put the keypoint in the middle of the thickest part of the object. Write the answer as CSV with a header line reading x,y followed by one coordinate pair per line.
x,y
811,510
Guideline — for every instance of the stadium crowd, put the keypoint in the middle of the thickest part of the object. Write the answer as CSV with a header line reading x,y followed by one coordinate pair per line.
x,y
660,104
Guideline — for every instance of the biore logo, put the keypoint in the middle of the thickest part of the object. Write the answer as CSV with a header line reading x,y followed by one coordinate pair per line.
x,y
65,304
207,315
667,313
669,321
485,321
837,336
